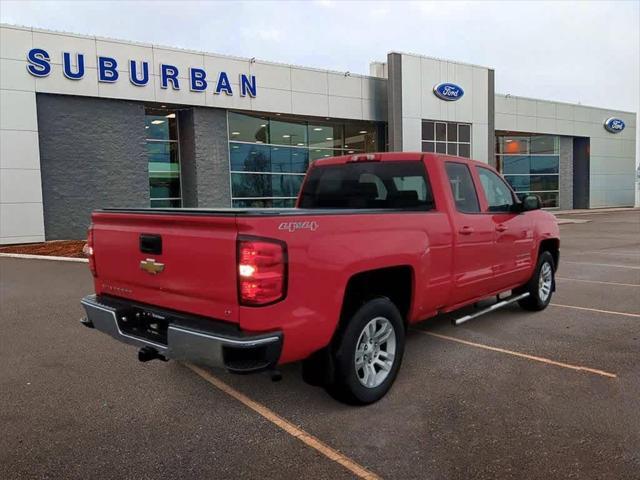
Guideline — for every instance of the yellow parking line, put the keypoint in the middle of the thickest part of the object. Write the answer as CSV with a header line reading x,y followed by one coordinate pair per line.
x,y
635,315
599,281
521,355
306,438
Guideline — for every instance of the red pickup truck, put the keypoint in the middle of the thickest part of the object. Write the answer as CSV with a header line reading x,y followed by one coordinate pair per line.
x,y
376,243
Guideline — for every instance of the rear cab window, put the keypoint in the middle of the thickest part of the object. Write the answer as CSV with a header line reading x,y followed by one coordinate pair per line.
x,y
462,187
368,185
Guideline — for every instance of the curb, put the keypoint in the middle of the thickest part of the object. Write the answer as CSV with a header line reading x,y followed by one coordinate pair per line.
x,y
44,257
569,221
591,211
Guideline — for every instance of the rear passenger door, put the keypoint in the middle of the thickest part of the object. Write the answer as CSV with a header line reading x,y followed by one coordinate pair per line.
x,y
513,231
473,232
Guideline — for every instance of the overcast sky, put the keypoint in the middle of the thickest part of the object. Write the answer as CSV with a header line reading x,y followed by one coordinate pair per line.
x,y
587,52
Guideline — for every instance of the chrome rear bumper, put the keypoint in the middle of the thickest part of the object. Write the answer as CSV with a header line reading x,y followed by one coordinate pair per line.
x,y
206,343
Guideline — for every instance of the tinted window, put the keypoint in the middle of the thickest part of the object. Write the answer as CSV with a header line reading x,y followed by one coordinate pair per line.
x,y
495,190
368,185
462,189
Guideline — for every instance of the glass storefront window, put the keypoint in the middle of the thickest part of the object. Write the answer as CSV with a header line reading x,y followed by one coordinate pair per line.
x,y
545,164
464,132
326,135
294,160
516,164
317,153
464,150
161,153
513,145
531,164
360,137
244,128
449,138
545,144
265,203
269,155
428,147
428,131
254,185
288,133
163,156
160,125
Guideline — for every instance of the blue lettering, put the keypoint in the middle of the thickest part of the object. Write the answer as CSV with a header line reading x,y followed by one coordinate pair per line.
x,y
248,85
169,72
133,73
39,65
198,82
107,69
223,84
67,66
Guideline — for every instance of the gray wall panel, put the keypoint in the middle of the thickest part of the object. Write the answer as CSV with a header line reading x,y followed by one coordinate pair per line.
x,y
566,173
491,109
581,172
211,147
394,99
189,180
92,155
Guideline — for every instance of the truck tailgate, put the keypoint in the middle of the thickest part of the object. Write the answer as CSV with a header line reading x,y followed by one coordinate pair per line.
x,y
193,271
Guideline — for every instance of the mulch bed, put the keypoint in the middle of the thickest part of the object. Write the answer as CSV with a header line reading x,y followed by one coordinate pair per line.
x,y
57,248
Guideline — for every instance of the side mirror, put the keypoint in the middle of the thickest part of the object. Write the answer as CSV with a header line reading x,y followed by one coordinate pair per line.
x,y
531,202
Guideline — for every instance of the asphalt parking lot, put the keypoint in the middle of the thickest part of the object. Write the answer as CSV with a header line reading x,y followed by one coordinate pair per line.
x,y
512,394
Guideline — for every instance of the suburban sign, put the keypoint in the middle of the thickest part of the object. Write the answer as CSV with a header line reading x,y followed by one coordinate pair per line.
x,y
73,68
448,91
614,125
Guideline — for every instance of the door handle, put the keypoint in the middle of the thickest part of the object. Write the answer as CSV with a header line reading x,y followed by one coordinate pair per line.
x,y
501,227
466,230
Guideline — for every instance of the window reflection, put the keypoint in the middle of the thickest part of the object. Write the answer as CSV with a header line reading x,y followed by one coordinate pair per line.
x,y
269,155
160,125
531,164
163,156
288,133
265,185
245,128
448,138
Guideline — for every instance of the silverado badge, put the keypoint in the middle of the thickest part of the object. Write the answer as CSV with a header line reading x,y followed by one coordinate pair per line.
x,y
151,266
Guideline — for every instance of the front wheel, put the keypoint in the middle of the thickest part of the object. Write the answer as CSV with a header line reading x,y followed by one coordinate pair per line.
x,y
541,285
368,353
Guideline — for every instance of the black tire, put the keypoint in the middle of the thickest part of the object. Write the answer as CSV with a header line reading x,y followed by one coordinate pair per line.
x,y
346,385
536,300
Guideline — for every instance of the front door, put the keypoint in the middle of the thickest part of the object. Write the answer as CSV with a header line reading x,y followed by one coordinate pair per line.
x,y
513,231
473,232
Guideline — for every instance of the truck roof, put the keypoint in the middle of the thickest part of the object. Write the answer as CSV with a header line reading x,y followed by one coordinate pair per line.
x,y
392,157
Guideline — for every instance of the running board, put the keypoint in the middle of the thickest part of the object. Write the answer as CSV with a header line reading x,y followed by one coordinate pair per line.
x,y
495,306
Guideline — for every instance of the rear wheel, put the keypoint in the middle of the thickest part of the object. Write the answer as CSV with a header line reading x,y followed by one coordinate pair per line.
x,y
541,285
368,354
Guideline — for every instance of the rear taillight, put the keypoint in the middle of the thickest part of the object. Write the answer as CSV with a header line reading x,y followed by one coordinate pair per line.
x,y
88,251
262,271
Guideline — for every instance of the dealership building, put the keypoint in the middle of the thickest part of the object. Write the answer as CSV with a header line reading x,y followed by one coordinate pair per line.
x,y
90,122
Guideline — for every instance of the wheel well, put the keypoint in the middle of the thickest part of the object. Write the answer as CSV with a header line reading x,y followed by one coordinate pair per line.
x,y
395,283
551,245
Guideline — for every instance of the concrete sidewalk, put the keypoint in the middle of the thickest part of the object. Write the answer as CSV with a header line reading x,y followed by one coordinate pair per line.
x,y
594,210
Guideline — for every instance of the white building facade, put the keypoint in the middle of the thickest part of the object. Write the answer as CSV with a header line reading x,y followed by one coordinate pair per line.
x,y
88,122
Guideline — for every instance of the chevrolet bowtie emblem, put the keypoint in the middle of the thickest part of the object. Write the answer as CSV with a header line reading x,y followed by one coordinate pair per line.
x,y
151,266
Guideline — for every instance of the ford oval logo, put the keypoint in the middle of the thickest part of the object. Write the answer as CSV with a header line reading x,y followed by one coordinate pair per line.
x,y
614,125
448,91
